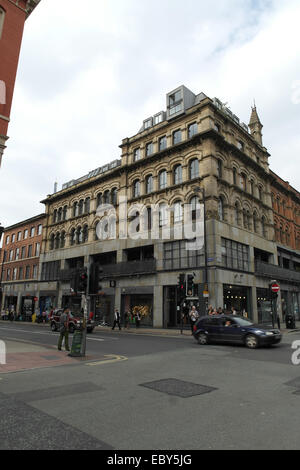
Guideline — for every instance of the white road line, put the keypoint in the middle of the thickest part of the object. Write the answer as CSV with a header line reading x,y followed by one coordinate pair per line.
x,y
51,333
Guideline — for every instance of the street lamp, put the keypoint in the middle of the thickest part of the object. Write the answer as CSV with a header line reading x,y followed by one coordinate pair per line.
x,y
205,289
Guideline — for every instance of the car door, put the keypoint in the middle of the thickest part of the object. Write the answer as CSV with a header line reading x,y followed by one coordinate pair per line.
x,y
212,327
230,333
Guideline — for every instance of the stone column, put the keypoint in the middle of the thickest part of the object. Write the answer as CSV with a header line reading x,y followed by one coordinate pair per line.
x,y
158,307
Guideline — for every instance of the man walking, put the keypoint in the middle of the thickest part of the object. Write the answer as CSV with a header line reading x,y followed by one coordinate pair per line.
x,y
64,329
116,319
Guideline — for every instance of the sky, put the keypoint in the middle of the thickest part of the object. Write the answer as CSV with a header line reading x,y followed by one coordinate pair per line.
x,y
90,72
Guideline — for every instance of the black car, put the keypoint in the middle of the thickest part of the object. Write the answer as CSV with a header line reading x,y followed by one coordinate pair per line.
x,y
234,329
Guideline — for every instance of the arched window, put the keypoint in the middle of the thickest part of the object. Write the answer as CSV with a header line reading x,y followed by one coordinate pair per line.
x,y
194,168
251,187
234,175
243,182
59,214
220,168
177,174
87,204
114,196
85,234
54,219
73,237
62,239
65,212
260,193
57,241
149,184
255,222
237,213
52,240
178,212
163,215
80,207
136,188
99,199
2,17
163,179
75,209
106,197
221,208
79,235
263,226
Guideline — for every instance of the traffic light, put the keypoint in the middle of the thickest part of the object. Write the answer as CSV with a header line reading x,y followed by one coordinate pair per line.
x,y
190,285
82,281
181,285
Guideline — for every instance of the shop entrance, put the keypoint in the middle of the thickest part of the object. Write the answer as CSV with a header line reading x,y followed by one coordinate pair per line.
x,y
239,298
138,303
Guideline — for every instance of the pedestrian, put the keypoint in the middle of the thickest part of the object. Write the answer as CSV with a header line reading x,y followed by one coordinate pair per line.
x,y
220,311
137,319
126,320
194,315
64,329
233,311
116,319
215,311
210,310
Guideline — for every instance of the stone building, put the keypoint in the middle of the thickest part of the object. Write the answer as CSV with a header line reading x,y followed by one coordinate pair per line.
x,y
13,14
286,207
196,151
20,264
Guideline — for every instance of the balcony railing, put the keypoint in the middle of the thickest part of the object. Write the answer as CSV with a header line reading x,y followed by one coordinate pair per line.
x,y
276,272
129,268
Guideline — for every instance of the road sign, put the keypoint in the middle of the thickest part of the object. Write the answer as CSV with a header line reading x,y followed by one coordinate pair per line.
x,y
275,287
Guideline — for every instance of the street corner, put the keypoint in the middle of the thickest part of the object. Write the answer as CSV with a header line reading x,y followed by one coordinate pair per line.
x,y
22,356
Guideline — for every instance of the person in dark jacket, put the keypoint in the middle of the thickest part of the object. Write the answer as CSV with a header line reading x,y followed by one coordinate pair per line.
x,y
116,319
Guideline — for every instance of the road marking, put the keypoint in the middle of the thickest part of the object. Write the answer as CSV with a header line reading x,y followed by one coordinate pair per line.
x,y
114,358
51,333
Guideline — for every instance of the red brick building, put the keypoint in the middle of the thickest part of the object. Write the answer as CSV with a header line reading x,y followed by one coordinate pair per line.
x,y
13,14
19,265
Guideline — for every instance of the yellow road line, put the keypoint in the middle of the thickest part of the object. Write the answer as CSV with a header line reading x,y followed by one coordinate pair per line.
x,y
111,358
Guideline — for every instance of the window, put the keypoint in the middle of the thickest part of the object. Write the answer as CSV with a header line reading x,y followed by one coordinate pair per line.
x,y
114,196
106,197
260,195
251,187
240,145
37,249
14,274
176,137
19,236
23,254
32,230
176,256
178,174
235,255
158,118
220,168
234,175
148,123
175,103
27,272
163,179
34,272
194,168
196,208
17,253
149,184
80,207
192,130
8,275
73,237
137,154
99,200
75,209
40,229
29,251
57,241
7,240
20,273
178,212
217,127
221,209
85,234
149,149
163,215
237,214
65,211
255,222
50,271
11,255
52,240
243,182
54,218
62,239
136,188
263,226
13,238
162,143
59,214
2,17
87,204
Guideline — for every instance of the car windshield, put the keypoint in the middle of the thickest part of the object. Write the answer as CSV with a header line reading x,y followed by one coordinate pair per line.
x,y
243,321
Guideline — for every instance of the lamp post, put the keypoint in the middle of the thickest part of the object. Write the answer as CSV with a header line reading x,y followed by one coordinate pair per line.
x,y
205,289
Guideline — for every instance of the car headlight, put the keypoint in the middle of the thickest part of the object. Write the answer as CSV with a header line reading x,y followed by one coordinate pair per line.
x,y
259,332
269,333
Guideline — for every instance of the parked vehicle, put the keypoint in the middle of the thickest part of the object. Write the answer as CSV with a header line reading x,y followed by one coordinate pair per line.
x,y
234,329
75,322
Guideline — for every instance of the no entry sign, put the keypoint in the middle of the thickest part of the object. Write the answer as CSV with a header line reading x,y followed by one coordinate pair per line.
x,y
275,287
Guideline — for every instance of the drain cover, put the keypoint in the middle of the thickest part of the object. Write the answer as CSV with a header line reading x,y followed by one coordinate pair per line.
x,y
178,388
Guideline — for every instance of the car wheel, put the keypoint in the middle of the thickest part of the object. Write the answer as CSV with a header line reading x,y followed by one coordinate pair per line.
x,y
202,339
251,341
53,326
71,329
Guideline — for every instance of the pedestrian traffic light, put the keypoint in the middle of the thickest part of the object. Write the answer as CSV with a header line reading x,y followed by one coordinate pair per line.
x,y
190,285
181,285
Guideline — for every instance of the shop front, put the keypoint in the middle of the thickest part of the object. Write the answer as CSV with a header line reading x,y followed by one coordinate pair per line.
x,y
238,297
264,305
73,302
27,307
138,301
10,303
102,306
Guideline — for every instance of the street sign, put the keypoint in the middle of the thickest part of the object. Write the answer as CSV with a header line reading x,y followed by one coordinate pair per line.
x,y
275,287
